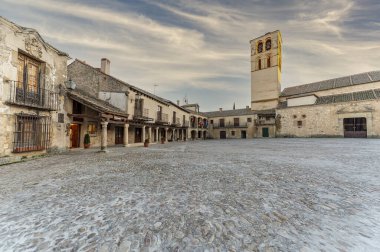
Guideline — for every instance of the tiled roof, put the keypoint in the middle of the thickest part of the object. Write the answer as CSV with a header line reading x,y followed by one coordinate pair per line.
x,y
95,103
356,96
234,112
356,79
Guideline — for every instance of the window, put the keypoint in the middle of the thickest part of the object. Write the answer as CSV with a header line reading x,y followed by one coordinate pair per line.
x,y
249,119
259,64
212,121
32,133
294,116
92,128
260,47
236,122
268,45
303,116
221,122
233,133
299,124
268,61
29,74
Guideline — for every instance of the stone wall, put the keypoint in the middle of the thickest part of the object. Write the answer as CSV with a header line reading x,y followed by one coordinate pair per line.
x,y
327,120
13,40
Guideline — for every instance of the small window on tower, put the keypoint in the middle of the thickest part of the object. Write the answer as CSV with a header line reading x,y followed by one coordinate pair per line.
x,y
268,45
260,47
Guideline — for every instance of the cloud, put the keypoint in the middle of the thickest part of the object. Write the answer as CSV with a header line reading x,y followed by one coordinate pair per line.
x,y
202,47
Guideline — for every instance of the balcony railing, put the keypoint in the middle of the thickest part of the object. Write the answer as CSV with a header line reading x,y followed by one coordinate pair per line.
x,y
230,125
32,96
186,124
162,118
264,121
176,121
142,114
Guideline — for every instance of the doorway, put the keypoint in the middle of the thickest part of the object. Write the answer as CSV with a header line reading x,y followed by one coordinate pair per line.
x,y
265,132
119,135
222,135
243,134
75,135
355,127
138,136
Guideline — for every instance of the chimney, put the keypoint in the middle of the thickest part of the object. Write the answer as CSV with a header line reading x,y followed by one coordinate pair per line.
x,y
220,109
105,66
178,102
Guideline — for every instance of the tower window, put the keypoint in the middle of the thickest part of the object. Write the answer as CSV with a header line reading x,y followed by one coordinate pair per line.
x,y
259,64
268,61
260,47
268,45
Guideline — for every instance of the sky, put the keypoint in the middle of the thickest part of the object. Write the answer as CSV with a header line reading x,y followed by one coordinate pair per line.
x,y
200,49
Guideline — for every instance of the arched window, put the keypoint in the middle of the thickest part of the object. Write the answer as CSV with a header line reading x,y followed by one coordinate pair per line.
x,y
259,64
268,61
260,47
268,44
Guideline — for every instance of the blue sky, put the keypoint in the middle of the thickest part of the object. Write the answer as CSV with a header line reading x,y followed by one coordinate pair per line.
x,y
200,49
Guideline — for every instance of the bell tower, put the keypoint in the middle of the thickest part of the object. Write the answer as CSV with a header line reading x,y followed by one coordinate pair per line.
x,y
266,56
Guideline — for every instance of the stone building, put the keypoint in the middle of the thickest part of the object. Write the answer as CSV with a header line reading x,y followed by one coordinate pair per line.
x,y
199,122
134,115
231,124
32,117
341,107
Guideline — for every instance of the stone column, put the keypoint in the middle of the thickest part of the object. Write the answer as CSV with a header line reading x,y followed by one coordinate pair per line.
x,y
150,134
103,143
157,136
126,127
166,135
143,134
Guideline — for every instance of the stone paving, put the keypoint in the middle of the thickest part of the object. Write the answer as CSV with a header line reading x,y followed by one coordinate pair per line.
x,y
234,195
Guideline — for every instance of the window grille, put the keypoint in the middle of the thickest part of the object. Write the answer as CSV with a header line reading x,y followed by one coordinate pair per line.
x,y
32,133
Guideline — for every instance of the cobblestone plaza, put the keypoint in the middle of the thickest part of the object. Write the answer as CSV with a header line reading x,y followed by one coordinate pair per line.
x,y
236,195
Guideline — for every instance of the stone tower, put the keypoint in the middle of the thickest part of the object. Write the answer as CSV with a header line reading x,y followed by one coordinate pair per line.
x,y
266,71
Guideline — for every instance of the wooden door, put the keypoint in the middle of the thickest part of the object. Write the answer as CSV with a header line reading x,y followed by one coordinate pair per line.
x,y
119,135
222,135
75,135
138,133
355,127
265,132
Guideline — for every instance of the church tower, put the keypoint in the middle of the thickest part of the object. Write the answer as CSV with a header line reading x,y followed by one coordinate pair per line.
x,y
266,71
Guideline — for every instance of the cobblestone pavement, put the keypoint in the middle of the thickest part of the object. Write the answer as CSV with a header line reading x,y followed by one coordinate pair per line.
x,y
234,195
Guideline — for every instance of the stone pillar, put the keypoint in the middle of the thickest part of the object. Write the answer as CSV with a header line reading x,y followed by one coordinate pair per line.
x,y
143,134
126,127
150,134
166,135
103,144
157,136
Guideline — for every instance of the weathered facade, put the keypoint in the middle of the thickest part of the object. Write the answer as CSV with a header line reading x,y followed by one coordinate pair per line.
x,y
32,71
341,107
147,117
